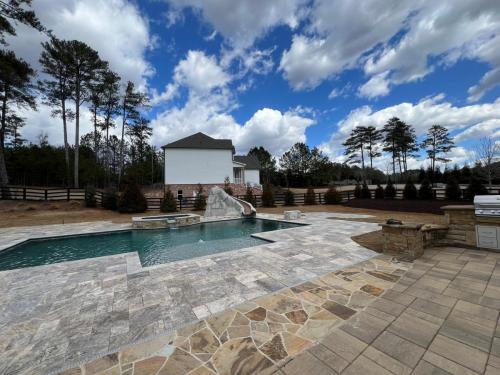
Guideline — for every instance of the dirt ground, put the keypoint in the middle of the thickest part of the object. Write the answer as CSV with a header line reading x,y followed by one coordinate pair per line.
x,y
22,213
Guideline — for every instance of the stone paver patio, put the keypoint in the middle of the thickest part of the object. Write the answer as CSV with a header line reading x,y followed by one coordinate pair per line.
x,y
63,314
442,317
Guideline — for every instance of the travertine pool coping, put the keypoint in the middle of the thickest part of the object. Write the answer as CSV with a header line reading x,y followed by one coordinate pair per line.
x,y
67,313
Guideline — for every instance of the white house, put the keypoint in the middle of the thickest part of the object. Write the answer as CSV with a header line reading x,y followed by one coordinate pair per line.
x,y
200,159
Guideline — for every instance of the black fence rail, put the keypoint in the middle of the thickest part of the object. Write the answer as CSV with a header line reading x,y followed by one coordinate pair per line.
x,y
186,203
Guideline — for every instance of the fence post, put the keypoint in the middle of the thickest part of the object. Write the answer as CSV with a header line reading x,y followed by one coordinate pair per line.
x,y
319,198
180,204
46,194
24,193
348,195
68,195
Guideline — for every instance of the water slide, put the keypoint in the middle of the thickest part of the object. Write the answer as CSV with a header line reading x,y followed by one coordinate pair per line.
x,y
221,204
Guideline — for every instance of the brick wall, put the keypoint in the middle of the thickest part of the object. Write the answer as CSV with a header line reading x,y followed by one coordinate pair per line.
x,y
188,189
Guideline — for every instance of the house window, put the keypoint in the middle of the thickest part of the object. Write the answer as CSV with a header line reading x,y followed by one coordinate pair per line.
x,y
239,176
179,194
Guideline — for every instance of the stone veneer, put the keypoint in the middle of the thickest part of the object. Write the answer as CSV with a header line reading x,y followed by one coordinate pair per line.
x,y
461,221
411,239
188,190
165,221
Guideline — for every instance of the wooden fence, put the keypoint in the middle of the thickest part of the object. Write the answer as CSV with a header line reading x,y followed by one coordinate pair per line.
x,y
67,194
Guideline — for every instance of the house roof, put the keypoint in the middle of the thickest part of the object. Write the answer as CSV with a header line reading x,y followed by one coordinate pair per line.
x,y
203,141
250,161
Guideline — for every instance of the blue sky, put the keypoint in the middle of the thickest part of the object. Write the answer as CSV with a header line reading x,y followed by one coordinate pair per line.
x,y
274,73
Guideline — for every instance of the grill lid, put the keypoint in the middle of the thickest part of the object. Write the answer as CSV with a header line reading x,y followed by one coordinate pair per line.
x,y
487,205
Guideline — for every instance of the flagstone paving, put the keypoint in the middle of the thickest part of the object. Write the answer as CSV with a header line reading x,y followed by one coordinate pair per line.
x,y
412,321
68,313
258,336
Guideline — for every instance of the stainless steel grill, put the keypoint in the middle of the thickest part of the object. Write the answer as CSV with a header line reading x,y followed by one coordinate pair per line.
x,y
487,205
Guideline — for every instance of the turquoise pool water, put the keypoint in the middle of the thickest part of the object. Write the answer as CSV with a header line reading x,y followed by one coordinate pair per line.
x,y
154,246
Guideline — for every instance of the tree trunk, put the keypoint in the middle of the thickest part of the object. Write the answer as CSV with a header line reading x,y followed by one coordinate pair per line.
x,y
95,137
121,148
66,146
4,177
77,135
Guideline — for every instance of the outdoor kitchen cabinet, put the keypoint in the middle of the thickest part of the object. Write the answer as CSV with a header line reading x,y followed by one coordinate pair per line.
x,y
488,237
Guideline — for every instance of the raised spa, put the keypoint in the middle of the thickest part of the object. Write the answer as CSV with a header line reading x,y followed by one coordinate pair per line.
x,y
164,221
153,246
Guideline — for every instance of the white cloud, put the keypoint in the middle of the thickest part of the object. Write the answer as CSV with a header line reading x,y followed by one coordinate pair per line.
x,y
377,86
487,82
200,73
405,40
115,28
241,22
341,31
488,128
274,130
208,107
473,120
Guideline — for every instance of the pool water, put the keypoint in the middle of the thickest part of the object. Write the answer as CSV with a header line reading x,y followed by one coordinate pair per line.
x,y
153,246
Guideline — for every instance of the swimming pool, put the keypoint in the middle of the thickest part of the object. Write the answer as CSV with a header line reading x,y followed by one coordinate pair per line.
x,y
153,246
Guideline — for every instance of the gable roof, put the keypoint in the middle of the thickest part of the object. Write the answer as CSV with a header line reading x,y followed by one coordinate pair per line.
x,y
203,141
250,161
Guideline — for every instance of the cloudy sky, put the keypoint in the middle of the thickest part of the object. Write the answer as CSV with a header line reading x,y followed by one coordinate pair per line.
x,y
273,73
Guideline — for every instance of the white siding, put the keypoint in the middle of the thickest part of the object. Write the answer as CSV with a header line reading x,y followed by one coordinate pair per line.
x,y
192,166
252,176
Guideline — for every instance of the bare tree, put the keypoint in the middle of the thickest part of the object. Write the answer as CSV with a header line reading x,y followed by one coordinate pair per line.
x,y
486,152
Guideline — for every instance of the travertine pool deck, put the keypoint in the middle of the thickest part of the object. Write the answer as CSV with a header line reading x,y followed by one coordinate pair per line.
x,y
60,315
440,318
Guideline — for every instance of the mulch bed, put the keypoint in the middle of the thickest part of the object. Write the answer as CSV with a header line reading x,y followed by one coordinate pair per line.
x,y
403,205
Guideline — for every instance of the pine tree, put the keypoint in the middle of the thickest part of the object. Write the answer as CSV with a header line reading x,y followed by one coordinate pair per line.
x,y
379,192
132,103
425,191
15,92
437,144
83,64
410,191
354,146
55,89
357,190
372,138
267,196
452,190
332,196
390,191
200,202
289,198
365,191
249,196
310,198
169,203
227,186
